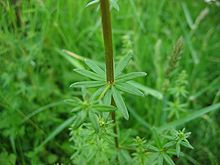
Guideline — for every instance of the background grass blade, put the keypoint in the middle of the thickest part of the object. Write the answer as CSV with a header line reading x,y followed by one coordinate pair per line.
x,y
190,117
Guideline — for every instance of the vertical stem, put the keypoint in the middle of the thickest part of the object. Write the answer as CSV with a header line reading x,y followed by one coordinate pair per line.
x,y
107,36
109,59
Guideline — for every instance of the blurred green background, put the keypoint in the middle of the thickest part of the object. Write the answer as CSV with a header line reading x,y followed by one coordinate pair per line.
x,y
35,74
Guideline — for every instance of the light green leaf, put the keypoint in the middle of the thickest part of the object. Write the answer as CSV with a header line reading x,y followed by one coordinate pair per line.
x,y
80,118
160,160
130,76
168,159
114,4
120,102
97,93
94,120
125,87
178,149
76,63
147,90
188,145
89,74
75,101
122,64
103,108
92,3
107,98
92,65
88,84
76,109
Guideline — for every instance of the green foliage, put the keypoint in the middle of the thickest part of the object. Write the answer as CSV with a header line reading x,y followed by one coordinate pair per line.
x,y
106,90
36,42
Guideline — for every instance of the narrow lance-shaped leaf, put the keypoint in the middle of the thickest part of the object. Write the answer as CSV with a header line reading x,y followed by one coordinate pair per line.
x,y
122,64
125,87
168,159
103,108
89,74
80,118
147,90
94,120
92,2
92,65
130,76
107,98
56,131
114,4
88,84
120,102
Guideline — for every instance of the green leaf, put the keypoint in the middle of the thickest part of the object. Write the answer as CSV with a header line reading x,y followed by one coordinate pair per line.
x,y
168,159
178,149
97,93
92,65
76,109
122,64
130,76
80,118
59,129
90,74
190,116
120,102
107,98
74,102
94,120
147,90
88,84
160,160
103,108
188,145
114,4
41,109
125,87
92,3
75,62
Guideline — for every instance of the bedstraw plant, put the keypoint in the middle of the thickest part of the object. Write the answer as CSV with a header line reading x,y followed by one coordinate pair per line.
x,y
95,132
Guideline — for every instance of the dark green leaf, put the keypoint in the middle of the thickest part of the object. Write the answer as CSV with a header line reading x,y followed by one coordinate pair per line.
x,y
120,102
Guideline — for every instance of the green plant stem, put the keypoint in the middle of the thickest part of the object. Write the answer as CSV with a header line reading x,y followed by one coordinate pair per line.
x,y
109,59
